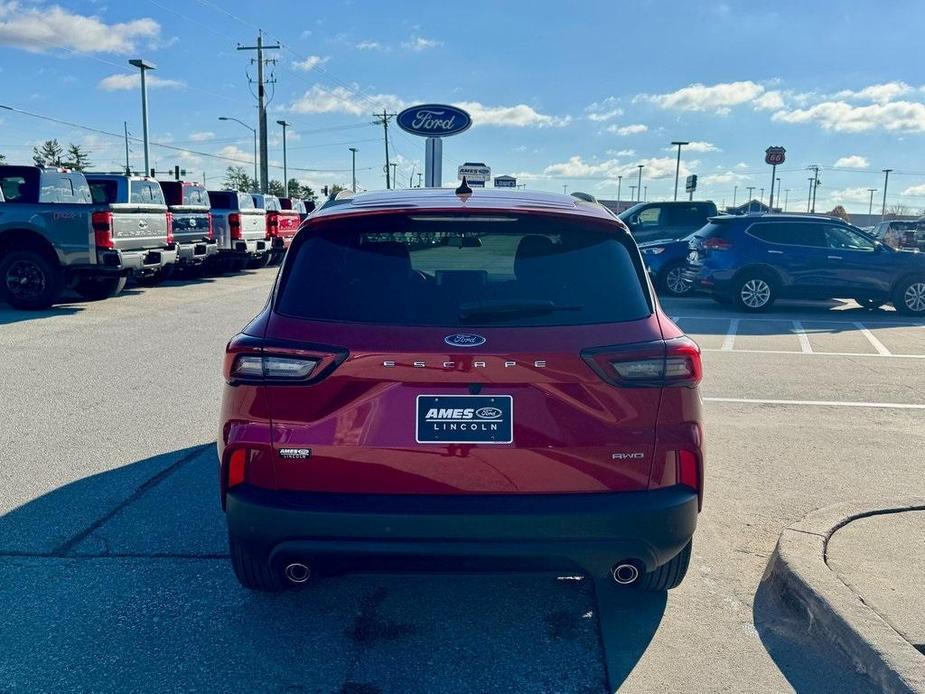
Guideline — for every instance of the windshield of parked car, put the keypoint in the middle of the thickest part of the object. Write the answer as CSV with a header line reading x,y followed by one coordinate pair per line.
x,y
456,271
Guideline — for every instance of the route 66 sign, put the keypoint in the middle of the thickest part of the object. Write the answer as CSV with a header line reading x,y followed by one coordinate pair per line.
x,y
774,155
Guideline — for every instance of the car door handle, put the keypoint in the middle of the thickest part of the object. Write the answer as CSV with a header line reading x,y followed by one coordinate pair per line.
x,y
776,252
835,257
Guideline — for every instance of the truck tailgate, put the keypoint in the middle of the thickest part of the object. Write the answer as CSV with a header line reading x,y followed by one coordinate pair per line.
x,y
138,227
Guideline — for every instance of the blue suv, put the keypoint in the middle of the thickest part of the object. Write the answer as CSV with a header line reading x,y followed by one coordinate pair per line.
x,y
754,260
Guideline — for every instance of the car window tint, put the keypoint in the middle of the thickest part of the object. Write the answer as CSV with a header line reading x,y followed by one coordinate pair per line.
x,y
222,200
195,195
103,192
401,271
15,188
687,215
789,233
246,202
845,239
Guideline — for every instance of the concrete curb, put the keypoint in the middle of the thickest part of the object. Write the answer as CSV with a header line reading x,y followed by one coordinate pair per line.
x,y
798,568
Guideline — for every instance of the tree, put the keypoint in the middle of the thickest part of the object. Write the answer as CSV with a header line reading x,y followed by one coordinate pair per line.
x,y
839,212
236,178
2,158
897,210
276,188
335,189
297,190
49,154
77,159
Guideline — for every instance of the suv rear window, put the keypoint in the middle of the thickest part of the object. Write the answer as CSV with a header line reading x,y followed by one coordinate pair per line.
x,y
463,272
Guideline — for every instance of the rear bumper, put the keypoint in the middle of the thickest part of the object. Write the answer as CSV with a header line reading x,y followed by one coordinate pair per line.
x,y
194,252
587,532
119,261
247,247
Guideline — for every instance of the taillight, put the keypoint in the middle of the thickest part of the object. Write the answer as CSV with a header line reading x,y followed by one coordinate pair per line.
x,y
211,228
169,228
251,366
237,468
102,229
234,226
674,362
252,360
715,243
688,469
272,225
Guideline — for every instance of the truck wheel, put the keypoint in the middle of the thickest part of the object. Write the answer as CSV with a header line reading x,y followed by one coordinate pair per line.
x,y
672,283
252,569
31,281
668,575
96,288
909,297
157,277
754,292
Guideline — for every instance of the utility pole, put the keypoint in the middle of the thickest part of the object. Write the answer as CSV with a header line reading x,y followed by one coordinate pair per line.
x,y
565,188
751,189
677,167
870,207
786,198
809,198
632,193
394,166
735,192
420,179
645,193
886,179
639,186
144,66
619,188
262,104
815,170
761,198
285,165
383,120
353,153
778,195
128,166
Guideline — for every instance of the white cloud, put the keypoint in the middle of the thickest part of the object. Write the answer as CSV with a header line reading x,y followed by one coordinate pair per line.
x,y
41,28
233,152
741,165
700,97
880,93
839,116
653,168
849,195
419,43
368,46
605,110
518,116
124,82
635,129
310,63
724,178
697,146
622,152
854,161
320,99
769,101
203,136
918,190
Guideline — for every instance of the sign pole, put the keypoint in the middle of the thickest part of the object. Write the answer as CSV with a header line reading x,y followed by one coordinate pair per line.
x,y
773,178
433,162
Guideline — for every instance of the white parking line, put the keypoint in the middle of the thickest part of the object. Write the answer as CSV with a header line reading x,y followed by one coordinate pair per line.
x,y
803,337
821,403
887,323
730,340
814,353
877,345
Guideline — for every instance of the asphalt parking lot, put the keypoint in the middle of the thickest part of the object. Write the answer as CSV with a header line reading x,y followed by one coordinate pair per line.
x,y
112,566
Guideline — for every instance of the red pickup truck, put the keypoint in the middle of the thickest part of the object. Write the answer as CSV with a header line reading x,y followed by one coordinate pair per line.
x,y
282,225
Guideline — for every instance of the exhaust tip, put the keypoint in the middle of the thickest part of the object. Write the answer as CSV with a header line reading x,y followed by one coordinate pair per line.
x,y
297,572
625,573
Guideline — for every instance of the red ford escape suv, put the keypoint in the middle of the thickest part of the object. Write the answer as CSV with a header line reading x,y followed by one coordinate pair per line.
x,y
455,380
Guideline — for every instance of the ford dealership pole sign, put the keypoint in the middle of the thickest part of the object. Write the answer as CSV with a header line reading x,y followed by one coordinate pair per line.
x,y
434,121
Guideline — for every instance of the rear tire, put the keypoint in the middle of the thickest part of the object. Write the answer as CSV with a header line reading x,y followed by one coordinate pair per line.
x,y
670,574
98,288
158,277
909,297
29,281
252,568
672,284
754,292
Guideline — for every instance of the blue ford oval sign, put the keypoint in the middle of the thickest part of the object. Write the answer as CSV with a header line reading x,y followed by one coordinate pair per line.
x,y
464,340
434,120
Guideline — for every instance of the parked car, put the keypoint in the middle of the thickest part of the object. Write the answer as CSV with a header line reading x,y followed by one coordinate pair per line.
x,y
753,261
303,207
240,230
282,225
132,211
52,238
659,221
503,392
666,262
189,206
898,234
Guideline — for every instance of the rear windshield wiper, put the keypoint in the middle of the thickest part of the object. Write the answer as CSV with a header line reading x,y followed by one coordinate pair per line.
x,y
503,308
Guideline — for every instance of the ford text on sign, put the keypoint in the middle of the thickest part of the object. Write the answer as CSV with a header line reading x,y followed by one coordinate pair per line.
x,y
434,120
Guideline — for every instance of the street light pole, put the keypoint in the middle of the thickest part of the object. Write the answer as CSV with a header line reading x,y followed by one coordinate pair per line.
x,y
786,198
253,130
735,192
353,167
886,179
639,185
870,208
144,66
751,189
677,168
285,164
778,194
619,188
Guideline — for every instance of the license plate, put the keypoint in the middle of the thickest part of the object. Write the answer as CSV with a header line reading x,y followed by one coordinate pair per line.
x,y
465,419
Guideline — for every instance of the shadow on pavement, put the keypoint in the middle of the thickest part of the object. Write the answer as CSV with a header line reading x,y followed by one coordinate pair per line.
x,y
123,577
9,315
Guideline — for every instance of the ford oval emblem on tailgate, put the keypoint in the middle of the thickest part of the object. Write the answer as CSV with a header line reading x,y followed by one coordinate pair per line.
x,y
464,340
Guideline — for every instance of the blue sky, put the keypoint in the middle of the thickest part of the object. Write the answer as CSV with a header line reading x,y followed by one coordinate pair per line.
x,y
561,94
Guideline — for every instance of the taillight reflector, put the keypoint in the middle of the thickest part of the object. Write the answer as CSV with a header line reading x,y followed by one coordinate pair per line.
x,y
102,229
688,473
234,226
272,225
211,228
717,244
169,228
237,467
